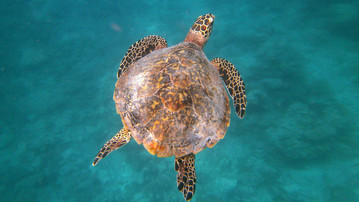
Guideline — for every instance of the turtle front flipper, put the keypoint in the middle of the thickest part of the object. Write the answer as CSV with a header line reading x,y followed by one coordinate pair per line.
x,y
186,177
140,49
234,84
120,139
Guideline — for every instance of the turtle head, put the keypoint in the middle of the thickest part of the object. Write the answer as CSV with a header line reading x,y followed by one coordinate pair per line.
x,y
200,30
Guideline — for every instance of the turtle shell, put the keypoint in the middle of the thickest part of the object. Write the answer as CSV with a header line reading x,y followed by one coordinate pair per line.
x,y
173,101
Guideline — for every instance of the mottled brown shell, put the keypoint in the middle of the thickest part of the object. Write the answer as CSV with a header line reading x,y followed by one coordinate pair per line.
x,y
173,101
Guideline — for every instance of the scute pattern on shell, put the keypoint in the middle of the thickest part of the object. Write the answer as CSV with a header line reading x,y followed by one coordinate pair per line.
x,y
173,101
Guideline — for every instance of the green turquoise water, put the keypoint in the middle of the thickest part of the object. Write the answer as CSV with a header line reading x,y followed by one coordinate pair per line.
x,y
298,141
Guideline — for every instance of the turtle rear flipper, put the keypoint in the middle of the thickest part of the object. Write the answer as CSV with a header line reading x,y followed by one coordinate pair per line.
x,y
234,84
120,139
186,177
139,50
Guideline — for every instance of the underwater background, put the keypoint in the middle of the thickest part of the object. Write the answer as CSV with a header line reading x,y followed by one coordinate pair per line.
x,y
298,141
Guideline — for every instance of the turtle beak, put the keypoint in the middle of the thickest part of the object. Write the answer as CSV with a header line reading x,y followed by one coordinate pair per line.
x,y
212,16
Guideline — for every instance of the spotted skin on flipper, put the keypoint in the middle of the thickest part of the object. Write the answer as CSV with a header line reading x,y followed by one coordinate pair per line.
x,y
234,84
186,177
120,139
139,50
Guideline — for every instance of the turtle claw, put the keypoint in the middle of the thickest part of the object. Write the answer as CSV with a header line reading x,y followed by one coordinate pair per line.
x,y
186,177
120,139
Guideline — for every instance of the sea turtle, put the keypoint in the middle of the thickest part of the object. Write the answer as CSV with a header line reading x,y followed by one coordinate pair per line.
x,y
172,100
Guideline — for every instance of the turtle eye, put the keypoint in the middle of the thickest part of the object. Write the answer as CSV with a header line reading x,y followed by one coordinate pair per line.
x,y
210,17
206,22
